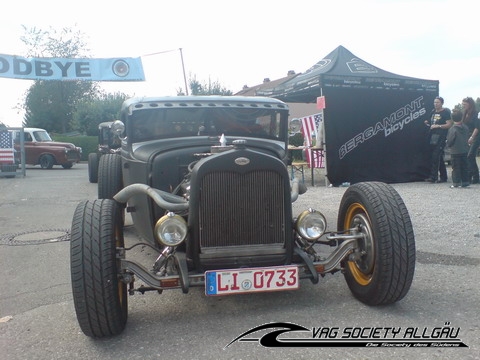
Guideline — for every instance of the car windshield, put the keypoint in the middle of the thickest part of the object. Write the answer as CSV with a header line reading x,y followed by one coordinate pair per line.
x,y
178,122
41,136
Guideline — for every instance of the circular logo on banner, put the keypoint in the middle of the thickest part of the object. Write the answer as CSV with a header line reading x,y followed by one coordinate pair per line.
x,y
121,68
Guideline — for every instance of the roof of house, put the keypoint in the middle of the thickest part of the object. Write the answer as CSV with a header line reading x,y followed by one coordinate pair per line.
x,y
267,84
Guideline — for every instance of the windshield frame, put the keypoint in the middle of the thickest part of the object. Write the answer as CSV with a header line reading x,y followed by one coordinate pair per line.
x,y
177,123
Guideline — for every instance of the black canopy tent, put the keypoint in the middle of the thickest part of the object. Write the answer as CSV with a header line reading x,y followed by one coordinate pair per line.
x,y
374,128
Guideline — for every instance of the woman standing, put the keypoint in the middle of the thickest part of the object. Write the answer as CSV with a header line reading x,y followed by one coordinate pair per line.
x,y
470,118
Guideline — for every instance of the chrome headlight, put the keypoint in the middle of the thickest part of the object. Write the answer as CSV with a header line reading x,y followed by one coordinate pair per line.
x,y
171,230
311,224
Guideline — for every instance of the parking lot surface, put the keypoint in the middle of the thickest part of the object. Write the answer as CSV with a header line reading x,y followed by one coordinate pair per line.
x,y
37,318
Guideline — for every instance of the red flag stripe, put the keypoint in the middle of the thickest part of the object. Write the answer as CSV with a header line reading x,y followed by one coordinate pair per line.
x,y
309,128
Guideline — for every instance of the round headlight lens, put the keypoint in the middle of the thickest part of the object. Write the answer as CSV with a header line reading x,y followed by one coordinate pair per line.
x,y
171,230
311,224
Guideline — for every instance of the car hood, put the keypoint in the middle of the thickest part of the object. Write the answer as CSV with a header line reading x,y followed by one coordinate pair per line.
x,y
201,144
56,144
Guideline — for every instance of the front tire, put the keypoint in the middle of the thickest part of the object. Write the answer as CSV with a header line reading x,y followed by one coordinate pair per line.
x,y
46,161
93,167
99,296
109,176
383,270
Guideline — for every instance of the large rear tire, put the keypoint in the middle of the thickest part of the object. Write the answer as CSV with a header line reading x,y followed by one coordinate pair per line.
x,y
110,179
383,270
93,167
100,298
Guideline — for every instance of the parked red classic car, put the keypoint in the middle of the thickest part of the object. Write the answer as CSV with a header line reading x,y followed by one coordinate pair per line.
x,y
41,150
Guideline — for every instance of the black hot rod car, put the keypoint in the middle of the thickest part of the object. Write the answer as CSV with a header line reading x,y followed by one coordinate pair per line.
x,y
206,184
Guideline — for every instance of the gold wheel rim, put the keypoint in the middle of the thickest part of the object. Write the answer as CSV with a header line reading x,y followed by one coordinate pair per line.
x,y
361,270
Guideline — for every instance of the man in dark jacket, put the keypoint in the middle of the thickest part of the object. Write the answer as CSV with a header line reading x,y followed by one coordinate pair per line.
x,y
457,141
439,123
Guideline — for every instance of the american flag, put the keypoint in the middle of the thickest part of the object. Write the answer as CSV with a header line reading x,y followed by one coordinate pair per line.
x,y
310,126
6,147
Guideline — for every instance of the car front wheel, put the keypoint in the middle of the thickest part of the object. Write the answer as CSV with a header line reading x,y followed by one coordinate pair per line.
x,y
46,161
99,296
382,269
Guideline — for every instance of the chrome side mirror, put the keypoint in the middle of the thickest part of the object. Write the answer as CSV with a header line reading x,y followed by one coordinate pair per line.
x,y
118,128
294,127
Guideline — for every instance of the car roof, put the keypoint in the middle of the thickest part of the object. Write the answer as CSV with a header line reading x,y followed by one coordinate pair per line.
x,y
31,129
200,101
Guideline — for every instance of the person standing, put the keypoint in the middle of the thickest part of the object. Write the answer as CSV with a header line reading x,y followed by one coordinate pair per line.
x,y
439,123
457,142
470,118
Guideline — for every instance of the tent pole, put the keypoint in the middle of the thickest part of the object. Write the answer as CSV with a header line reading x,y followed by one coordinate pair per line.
x,y
324,145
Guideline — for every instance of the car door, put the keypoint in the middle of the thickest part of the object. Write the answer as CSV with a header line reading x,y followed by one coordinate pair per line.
x,y
30,154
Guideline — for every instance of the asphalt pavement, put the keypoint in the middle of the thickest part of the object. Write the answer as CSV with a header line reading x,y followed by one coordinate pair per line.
x,y
37,318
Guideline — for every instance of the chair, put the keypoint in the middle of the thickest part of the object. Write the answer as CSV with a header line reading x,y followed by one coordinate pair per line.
x,y
298,167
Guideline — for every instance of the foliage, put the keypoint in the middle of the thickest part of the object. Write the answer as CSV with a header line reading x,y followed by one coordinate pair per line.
x,y
93,111
66,42
296,140
51,104
88,144
210,88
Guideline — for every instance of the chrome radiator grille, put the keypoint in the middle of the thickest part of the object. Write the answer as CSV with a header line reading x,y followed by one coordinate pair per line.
x,y
241,209
72,155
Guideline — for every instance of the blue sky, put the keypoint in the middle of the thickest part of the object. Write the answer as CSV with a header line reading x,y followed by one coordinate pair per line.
x,y
241,43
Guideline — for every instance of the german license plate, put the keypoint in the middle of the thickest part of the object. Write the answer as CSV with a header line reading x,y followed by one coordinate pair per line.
x,y
225,282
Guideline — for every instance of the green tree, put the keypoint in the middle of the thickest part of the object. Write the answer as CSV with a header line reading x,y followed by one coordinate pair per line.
x,y
92,111
50,104
204,88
